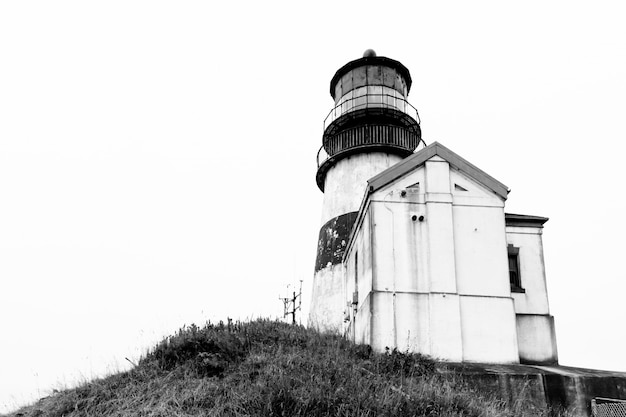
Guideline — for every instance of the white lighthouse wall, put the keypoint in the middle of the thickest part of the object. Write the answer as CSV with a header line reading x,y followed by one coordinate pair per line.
x,y
346,181
343,192
440,285
327,299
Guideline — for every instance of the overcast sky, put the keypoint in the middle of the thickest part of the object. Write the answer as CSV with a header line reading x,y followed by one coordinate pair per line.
x,y
157,159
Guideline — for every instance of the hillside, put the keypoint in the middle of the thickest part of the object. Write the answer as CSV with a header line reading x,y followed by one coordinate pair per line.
x,y
268,368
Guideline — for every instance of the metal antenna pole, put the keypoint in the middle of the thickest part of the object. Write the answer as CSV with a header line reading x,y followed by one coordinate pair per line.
x,y
289,304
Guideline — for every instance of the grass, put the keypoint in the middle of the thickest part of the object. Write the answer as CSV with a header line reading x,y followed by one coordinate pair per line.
x,y
268,368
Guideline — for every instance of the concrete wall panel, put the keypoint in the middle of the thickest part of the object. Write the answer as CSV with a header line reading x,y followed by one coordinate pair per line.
x,y
397,242
536,339
412,322
532,270
489,330
442,270
445,327
363,322
383,321
401,321
480,251
327,300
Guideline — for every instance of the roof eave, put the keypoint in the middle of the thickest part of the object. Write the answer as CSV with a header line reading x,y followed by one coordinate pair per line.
x,y
524,220
456,161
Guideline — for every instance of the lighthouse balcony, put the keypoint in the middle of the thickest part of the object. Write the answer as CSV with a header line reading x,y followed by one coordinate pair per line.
x,y
370,100
388,138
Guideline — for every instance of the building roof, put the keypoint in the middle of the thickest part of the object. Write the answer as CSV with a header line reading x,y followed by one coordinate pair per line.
x,y
524,220
417,159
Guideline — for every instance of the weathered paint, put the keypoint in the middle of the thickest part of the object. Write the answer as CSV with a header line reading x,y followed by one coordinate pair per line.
x,y
488,327
370,71
536,338
327,300
439,282
366,87
432,150
345,188
346,181
541,387
333,239
532,269
535,326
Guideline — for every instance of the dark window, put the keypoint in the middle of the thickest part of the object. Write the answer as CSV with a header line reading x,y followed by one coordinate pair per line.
x,y
514,272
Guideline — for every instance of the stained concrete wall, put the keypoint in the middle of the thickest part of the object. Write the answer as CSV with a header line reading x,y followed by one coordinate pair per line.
x,y
532,270
440,283
343,193
358,264
488,329
535,326
536,338
345,182
540,388
327,299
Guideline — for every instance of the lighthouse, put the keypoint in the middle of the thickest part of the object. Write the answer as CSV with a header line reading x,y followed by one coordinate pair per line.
x,y
371,127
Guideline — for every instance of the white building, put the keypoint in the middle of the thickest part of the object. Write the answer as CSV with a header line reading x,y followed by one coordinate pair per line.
x,y
434,265
415,250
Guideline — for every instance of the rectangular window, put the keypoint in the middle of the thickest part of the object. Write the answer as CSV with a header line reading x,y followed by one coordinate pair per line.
x,y
514,270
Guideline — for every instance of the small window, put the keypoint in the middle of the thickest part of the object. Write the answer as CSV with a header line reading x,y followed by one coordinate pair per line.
x,y
514,272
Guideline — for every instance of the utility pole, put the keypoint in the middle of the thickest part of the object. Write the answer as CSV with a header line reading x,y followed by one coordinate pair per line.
x,y
290,306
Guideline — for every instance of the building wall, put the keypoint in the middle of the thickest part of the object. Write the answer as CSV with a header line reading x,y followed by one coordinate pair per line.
x,y
536,338
532,270
345,182
489,330
535,326
343,193
327,299
440,284
358,284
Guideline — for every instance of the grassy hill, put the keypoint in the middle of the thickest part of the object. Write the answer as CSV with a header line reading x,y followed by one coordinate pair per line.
x,y
268,368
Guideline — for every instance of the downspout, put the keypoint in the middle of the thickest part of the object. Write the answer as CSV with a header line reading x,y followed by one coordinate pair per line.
x,y
393,274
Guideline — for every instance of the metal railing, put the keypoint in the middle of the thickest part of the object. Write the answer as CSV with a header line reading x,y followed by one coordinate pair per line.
x,y
368,101
322,156
608,407
363,137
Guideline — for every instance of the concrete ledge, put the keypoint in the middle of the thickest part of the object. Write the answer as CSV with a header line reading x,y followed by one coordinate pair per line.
x,y
542,387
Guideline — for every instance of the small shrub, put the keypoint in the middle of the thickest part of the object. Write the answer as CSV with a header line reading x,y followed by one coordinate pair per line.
x,y
405,364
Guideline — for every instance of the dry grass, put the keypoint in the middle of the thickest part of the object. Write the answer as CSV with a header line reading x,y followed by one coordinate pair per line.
x,y
268,368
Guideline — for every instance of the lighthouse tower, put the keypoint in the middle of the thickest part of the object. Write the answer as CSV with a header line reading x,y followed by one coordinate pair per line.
x,y
371,127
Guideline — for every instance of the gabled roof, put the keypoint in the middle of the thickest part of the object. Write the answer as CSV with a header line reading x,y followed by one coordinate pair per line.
x,y
410,163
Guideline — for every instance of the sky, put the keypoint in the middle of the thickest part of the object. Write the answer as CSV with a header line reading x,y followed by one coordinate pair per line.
x,y
157,160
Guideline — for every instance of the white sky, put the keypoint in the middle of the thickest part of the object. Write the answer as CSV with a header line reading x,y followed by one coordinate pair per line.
x,y
157,159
